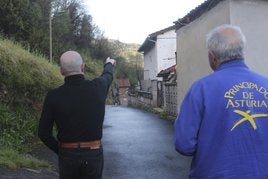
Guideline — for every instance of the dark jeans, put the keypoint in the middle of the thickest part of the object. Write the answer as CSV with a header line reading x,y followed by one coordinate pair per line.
x,y
80,163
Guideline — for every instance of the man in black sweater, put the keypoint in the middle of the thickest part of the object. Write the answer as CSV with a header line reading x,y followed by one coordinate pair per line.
x,y
77,108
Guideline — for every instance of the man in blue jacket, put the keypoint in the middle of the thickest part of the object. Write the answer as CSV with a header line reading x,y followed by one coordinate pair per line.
x,y
223,120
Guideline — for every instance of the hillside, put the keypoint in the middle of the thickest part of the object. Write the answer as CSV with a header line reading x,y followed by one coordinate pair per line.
x,y
25,79
128,51
129,62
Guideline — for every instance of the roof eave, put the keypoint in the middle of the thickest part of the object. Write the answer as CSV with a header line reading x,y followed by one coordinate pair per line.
x,y
196,13
152,38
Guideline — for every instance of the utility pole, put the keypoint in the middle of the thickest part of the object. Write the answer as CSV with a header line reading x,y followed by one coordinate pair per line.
x,y
50,37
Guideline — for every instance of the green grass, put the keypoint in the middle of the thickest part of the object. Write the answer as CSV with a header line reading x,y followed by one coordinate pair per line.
x,y
25,79
18,127
17,135
168,117
13,159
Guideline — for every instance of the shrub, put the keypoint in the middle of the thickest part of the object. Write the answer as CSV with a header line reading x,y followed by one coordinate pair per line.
x,y
17,127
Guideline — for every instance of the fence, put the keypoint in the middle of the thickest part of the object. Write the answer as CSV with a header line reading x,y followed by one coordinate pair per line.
x,y
170,99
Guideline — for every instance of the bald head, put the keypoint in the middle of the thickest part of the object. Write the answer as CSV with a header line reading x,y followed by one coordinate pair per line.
x,y
71,63
226,42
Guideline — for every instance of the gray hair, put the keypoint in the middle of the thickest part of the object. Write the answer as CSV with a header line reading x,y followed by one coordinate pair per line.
x,y
71,62
226,42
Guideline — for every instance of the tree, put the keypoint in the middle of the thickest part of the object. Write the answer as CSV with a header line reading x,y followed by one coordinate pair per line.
x,y
39,38
102,49
15,21
62,34
85,37
72,28
26,21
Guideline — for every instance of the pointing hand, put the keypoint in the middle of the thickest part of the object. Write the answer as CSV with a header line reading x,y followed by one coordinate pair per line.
x,y
110,60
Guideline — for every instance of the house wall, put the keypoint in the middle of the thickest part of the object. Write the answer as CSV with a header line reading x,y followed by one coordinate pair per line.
x,y
146,85
161,56
251,16
192,56
150,64
166,48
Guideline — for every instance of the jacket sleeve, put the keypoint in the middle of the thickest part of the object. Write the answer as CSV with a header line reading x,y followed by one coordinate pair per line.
x,y
188,122
106,79
45,129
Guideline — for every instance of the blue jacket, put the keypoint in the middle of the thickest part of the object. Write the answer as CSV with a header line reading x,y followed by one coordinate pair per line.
x,y
223,123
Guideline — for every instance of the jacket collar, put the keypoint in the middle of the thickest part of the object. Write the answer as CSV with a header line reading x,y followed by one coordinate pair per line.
x,y
74,79
232,63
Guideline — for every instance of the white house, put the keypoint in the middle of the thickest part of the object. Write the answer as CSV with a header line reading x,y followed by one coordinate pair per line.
x,y
159,52
191,30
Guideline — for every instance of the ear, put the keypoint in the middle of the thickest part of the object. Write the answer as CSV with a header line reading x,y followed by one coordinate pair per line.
x,y
62,71
82,68
212,60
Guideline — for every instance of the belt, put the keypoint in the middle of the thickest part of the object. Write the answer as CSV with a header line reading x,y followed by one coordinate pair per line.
x,y
96,144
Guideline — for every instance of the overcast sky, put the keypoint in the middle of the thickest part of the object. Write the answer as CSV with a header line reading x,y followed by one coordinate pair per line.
x,y
131,21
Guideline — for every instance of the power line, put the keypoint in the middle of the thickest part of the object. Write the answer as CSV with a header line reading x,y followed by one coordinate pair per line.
x,y
167,38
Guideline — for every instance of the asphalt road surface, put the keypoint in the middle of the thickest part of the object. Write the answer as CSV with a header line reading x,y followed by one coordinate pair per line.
x,y
139,145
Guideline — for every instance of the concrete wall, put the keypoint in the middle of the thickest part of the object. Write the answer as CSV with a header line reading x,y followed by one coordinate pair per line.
x,y
142,99
192,56
150,64
166,48
252,16
139,101
151,87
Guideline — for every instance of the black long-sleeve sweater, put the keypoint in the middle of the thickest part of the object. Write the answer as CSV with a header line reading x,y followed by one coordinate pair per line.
x,y
77,107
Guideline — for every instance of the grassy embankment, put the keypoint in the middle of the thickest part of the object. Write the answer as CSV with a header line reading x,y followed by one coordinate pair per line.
x,y
25,78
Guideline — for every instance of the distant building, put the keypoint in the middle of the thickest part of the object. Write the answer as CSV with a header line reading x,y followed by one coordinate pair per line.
x,y
159,52
123,85
123,88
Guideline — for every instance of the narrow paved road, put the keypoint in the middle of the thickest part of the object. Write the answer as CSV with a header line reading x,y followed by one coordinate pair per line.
x,y
139,145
